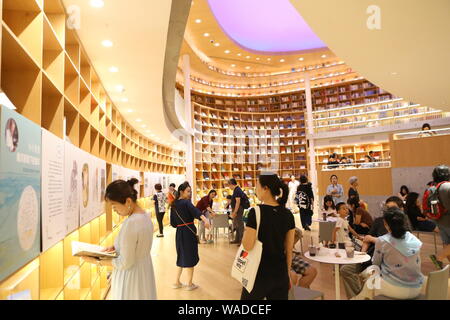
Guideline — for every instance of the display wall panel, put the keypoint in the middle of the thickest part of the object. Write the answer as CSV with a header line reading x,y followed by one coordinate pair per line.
x,y
20,184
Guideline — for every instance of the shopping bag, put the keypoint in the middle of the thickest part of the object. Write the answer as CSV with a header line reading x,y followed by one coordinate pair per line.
x,y
246,263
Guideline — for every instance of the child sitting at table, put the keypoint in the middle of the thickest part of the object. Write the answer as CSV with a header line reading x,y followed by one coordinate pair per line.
x,y
341,231
302,273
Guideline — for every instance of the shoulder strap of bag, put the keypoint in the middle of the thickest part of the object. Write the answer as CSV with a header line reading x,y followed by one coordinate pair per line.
x,y
176,211
258,220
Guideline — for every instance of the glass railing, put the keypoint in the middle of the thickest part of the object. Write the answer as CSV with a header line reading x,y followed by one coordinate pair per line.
x,y
353,166
383,113
422,134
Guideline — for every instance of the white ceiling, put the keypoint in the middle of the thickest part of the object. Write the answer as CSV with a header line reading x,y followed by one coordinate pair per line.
x,y
138,30
409,56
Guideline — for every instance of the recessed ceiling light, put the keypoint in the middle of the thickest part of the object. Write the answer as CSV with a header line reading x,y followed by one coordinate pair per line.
x,y
97,3
107,43
120,88
130,110
258,59
247,57
138,120
282,60
114,69
233,65
394,73
268,59
144,126
198,21
239,54
324,56
301,59
124,99
206,34
152,135
227,51
247,67
216,44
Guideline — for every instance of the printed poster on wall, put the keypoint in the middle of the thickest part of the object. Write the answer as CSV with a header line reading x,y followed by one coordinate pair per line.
x,y
20,191
72,186
53,219
147,184
99,179
86,201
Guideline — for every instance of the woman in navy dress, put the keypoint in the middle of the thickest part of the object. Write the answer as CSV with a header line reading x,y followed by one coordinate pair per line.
x,y
182,215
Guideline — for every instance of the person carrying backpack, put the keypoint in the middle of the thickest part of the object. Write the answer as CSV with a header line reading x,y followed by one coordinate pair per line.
x,y
239,202
305,201
436,206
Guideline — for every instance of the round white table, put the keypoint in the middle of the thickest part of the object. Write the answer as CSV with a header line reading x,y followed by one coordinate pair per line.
x,y
325,255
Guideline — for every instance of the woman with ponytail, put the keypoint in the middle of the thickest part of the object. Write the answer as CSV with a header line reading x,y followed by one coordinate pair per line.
x,y
276,233
133,277
396,268
182,216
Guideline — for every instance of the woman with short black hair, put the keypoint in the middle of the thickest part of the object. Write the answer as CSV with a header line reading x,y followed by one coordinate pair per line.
x,y
133,277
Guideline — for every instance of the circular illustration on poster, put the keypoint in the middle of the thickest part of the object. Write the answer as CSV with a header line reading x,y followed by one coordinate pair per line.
x,y
85,187
27,218
11,135
73,197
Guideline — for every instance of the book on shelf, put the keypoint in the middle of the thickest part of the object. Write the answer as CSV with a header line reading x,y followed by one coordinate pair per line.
x,y
205,176
82,249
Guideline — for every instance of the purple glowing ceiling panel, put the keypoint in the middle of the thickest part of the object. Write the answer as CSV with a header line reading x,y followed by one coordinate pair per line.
x,y
264,25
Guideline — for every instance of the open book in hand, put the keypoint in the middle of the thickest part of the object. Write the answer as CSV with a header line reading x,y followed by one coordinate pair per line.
x,y
82,249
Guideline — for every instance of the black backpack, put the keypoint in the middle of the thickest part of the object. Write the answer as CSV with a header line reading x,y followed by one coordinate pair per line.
x,y
245,201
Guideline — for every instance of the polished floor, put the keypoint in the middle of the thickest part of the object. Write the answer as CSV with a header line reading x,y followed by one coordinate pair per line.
x,y
212,274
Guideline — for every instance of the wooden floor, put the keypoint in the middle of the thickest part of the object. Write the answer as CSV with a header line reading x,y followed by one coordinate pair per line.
x,y
212,273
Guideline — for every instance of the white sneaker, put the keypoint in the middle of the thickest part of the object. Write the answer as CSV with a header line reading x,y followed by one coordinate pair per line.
x,y
178,286
191,287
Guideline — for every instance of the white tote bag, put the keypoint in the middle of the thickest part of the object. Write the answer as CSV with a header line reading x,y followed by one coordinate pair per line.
x,y
246,263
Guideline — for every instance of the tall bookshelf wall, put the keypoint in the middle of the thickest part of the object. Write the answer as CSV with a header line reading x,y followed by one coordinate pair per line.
x,y
237,137
48,77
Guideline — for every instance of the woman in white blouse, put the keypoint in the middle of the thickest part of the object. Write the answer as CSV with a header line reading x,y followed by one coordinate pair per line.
x,y
133,277
293,185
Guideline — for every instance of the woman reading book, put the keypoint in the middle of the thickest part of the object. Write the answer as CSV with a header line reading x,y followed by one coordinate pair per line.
x,y
133,277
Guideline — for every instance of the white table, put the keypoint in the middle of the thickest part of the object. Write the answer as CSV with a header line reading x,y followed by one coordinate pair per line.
x,y
326,255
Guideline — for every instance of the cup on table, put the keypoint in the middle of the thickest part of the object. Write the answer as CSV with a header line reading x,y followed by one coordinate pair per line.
x,y
312,251
350,251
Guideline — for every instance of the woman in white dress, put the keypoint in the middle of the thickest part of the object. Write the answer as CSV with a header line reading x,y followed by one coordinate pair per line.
x,y
133,277
293,185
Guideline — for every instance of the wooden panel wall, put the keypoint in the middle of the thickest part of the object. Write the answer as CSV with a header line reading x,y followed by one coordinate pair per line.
x,y
420,152
372,182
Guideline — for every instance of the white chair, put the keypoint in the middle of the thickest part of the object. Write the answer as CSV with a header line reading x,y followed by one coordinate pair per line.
x,y
221,221
437,287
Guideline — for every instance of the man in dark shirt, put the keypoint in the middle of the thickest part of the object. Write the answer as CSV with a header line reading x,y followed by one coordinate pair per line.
x,y
237,210
350,272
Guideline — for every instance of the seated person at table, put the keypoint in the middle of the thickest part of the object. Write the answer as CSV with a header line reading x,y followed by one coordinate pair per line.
x,y
418,220
396,269
361,220
350,272
302,273
342,229
328,206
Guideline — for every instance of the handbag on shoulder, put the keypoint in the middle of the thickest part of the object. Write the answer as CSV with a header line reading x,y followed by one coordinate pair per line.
x,y
246,263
